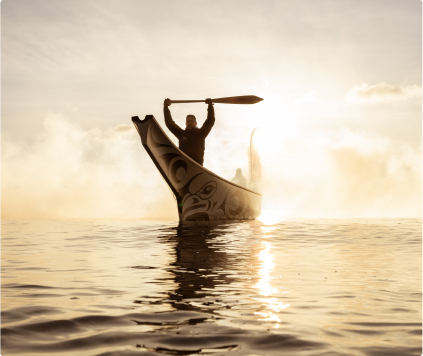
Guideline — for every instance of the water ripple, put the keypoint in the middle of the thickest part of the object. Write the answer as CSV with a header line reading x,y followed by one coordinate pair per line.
x,y
299,287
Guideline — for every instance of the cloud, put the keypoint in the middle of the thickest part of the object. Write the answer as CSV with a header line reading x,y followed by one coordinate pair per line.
x,y
123,128
307,98
382,92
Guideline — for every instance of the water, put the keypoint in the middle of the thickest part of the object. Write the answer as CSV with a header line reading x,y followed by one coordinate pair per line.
x,y
295,287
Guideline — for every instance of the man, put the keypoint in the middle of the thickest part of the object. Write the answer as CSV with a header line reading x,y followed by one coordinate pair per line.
x,y
192,139
239,178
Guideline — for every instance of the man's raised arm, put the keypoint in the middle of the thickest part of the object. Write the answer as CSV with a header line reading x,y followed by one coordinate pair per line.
x,y
209,123
171,125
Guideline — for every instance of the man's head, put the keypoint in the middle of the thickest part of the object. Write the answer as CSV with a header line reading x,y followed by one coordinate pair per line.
x,y
238,171
191,122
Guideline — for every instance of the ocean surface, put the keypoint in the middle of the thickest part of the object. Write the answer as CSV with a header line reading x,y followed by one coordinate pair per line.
x,y
288,287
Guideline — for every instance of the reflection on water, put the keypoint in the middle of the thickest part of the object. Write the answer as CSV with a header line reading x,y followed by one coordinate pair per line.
x,y
200,266
204,263
311,287
273,305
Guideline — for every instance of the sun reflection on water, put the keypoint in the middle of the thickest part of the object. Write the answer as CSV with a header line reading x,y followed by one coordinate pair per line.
x,y
273,305
266,266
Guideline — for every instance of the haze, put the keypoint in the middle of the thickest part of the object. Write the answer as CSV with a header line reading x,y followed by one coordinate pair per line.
x,y
340,124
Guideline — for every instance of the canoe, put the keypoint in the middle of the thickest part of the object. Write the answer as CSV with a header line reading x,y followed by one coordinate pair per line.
x,y
201,195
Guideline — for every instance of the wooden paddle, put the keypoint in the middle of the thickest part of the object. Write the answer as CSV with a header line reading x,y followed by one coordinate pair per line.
x,y
244,99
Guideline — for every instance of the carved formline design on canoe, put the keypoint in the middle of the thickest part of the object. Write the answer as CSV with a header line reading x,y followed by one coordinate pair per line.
x,y
201,195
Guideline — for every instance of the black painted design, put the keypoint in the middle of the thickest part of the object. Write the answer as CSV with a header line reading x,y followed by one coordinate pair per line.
x,y
200,194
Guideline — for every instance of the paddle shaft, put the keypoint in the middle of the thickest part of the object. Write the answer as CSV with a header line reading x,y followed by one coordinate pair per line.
x,y
187,101
244,99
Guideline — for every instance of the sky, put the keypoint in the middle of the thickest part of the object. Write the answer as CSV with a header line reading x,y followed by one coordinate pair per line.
x,y
340,121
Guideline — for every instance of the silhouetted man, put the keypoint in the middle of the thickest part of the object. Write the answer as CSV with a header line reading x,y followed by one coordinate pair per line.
x,y
192,140
239,178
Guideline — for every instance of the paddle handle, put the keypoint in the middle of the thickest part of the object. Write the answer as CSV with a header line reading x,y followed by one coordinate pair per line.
x,y
186,101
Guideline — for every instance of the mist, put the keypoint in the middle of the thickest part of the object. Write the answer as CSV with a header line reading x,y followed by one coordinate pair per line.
x,y
341,174
68,172
71,173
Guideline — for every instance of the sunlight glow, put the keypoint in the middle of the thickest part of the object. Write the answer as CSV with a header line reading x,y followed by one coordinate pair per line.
x,y
267,229
272,304
266,266
269,216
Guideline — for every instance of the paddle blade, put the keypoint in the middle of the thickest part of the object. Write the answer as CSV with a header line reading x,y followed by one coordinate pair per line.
x,y
244,99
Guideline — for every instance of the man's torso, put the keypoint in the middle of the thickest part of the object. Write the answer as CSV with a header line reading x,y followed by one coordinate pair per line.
x,y
192,143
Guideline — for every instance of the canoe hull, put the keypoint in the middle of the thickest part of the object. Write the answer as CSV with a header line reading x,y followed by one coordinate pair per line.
x,y
201,195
